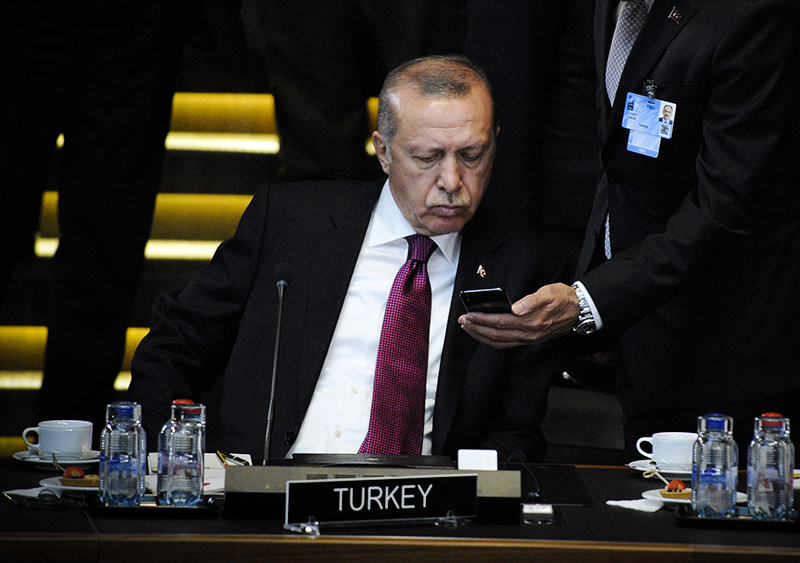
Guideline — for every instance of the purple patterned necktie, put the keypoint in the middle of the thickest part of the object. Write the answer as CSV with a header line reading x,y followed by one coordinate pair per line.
x,y
398,399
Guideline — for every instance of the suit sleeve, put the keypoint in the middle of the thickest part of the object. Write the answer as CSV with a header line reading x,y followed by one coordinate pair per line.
x,y
748,138
193,330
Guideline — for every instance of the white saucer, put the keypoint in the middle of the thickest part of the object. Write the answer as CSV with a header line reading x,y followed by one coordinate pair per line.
x,y
93,457
654,494
648,464
54,484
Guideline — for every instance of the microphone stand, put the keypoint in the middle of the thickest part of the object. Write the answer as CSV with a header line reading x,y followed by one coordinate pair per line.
x,y
282,285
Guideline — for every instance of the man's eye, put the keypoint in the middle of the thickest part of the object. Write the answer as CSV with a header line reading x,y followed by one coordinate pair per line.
x,y
426,159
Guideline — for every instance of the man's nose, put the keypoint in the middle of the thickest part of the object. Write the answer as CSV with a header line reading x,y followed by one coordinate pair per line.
x,y
449,174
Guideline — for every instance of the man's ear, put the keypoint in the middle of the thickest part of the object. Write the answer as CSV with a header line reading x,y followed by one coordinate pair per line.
x,y
381,150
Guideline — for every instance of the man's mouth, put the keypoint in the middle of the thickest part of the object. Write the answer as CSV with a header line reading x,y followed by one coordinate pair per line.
x,y
448,210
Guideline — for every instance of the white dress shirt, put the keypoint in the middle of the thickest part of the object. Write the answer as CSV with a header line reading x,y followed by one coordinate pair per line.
x,y
338,416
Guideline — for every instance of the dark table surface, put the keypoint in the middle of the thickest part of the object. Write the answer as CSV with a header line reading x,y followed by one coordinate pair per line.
x,y
597,532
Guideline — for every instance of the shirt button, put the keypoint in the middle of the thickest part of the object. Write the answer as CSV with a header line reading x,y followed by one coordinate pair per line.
x,y
355,391
338,433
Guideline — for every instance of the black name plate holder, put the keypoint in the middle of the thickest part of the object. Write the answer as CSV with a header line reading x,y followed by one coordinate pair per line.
x,y
381,500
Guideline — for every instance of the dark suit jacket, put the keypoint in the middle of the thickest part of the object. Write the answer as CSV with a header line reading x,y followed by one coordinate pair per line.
x,y
214,341
702,288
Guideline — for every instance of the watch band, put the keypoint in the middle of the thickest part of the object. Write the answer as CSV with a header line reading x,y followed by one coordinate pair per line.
x,y
585,323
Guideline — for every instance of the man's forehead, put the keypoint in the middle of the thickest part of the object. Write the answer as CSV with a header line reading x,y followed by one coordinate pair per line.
x,y
442,111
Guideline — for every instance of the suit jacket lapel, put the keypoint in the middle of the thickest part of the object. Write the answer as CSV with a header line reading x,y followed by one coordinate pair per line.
x,y
478,248
331,262
658,32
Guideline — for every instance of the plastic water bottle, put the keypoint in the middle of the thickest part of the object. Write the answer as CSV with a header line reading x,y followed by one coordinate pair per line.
x,y
123,455
180,456
770,462
714,467
163,453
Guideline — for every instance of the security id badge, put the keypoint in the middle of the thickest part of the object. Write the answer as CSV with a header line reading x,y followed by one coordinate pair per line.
x,y
649,120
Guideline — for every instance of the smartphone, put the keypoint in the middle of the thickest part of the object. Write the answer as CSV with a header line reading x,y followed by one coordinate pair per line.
x,y
492,300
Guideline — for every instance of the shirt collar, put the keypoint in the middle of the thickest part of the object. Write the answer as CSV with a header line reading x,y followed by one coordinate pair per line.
x,y
389,225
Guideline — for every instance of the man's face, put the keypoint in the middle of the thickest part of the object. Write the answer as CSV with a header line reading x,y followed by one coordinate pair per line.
x,y
667,112
440,159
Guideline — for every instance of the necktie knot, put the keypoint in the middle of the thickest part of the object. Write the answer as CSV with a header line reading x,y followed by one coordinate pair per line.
x,y
420,247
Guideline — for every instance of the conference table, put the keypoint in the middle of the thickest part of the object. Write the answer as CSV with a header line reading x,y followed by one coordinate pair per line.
x,y
588,530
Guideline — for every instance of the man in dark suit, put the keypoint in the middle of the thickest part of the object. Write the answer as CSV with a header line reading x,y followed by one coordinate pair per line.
x,y
699,294
343,242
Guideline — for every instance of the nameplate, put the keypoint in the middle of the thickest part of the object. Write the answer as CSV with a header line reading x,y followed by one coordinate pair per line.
x,y
381,499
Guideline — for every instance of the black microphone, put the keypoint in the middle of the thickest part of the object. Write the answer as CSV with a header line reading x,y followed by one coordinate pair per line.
x,y
283,275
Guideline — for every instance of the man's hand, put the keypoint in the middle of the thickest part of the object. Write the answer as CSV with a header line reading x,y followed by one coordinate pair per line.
x,y
546,314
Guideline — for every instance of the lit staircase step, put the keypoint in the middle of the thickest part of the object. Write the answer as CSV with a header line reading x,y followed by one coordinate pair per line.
x,y
22,352
187,217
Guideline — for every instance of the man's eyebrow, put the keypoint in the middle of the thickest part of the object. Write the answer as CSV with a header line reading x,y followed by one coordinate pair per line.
x,y
422,148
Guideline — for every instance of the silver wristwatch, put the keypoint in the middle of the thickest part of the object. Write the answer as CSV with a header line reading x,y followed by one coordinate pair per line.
x,y
585,323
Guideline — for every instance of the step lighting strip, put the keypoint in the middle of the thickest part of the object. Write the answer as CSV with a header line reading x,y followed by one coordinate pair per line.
x,y
32,381
155,249
254,143
223,142
22,348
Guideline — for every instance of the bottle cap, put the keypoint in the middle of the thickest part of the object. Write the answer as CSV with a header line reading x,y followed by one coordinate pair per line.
x,y
124,410
771,420
715,422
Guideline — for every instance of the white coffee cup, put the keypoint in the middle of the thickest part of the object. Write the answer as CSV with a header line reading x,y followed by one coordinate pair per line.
x,y
64,438
669,449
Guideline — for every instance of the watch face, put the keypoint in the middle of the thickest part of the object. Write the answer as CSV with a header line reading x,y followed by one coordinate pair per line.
x,y
586,327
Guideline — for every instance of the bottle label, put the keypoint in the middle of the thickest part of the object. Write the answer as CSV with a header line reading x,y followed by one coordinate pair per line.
x,y
714,477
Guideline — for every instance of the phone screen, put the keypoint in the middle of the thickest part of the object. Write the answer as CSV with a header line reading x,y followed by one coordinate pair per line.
x,y
492,300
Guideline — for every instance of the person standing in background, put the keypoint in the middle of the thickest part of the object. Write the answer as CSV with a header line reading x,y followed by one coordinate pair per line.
x,y
541,57
689,267
102,72
325,59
